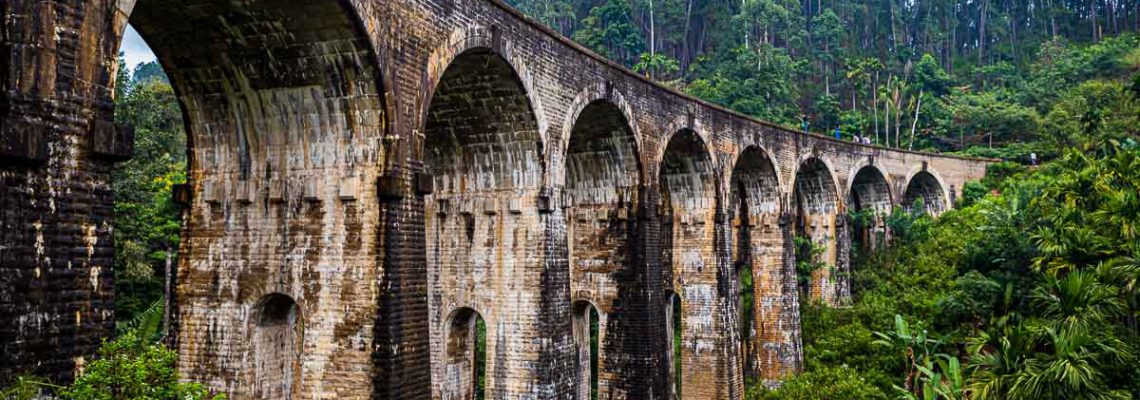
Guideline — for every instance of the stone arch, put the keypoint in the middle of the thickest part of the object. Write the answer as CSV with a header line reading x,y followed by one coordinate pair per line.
x,y
276,340
757,243
754,183
479,39
870,190
689,184
481,134
603,164
870,195
861,166
277,110
244,102
587,326
463,363
591,97
601,186
816,202
927,186
820,172
687,174
757,150
684,127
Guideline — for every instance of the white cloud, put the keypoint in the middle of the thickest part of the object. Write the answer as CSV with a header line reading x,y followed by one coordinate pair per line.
x,y
135,50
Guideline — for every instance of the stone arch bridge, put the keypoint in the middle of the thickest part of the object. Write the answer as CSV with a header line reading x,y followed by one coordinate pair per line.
x,y
368,179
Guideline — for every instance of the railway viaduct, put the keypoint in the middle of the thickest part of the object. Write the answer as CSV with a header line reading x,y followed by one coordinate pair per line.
x,y
368,179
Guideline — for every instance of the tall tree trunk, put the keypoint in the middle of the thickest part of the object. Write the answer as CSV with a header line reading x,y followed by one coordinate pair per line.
x,y
875,104
898,116
914,125
982,35
652,32
887,120
167,303
1093,19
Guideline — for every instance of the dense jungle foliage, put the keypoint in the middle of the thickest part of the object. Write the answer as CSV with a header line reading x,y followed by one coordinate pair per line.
x,y
944,75
1029,291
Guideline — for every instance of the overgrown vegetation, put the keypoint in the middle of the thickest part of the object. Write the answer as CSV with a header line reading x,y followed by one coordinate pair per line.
x,y
146,219
135,365
1029,292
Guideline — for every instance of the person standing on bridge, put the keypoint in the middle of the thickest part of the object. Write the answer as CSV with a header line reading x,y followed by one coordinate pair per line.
x,y
838,133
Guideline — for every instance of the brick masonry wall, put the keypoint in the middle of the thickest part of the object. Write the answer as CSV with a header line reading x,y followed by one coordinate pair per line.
x,y
56,147
318,174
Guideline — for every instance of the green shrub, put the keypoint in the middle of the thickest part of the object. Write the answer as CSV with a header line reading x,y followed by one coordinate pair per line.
x,y
831,383
131,368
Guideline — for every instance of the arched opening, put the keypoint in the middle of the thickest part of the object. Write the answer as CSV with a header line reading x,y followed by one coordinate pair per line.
x,y
481,133
587,330
924,195
276,110
275,346
817,207
673,328
466,356
688,191
601,183
481,142
757,254
256,78
869,202
602,174
483,152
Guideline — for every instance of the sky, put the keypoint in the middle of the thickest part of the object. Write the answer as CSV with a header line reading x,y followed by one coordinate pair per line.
x,y
134,49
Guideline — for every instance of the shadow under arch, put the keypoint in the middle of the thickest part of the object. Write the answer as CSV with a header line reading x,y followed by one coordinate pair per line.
x,y
816,201
870,198
587,329
465,355
481,129
758,257
243,102
275,348
926,187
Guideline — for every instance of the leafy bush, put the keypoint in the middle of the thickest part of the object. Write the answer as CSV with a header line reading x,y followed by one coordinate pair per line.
x,y
131,368
833,383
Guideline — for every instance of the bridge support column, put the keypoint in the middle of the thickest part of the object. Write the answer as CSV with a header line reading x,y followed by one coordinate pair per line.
x,y
57,145
732,357
658,345
695,248
401,362
788,343
842,273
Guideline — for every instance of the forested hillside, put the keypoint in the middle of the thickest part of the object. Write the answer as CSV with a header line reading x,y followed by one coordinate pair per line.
x,y
929,74
1027,291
